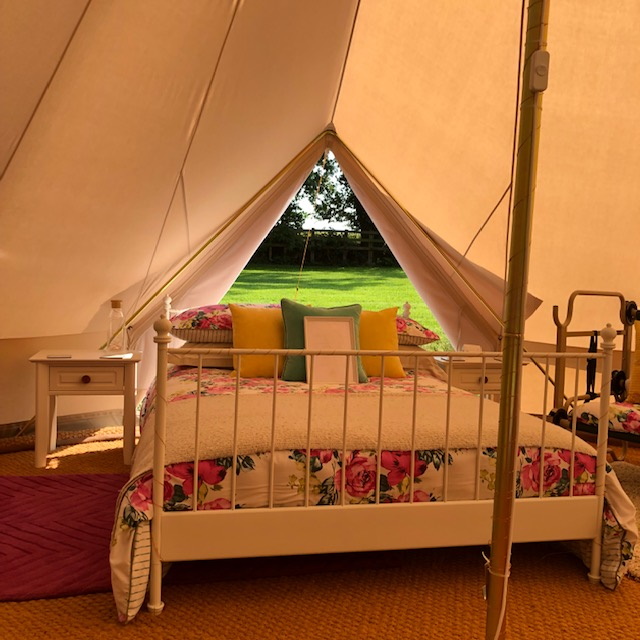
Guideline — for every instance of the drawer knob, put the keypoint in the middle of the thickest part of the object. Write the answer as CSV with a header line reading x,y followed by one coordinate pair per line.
x,y
486,379
86,379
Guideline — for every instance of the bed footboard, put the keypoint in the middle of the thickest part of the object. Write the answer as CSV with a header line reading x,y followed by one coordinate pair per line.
x,y
561,477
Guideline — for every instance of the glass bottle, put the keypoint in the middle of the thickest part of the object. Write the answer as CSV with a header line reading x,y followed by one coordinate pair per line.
x,y
116,332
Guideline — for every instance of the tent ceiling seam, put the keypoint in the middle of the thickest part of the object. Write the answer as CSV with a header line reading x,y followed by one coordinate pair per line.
x,y
186,213
45,90
425,235
346,61
180,178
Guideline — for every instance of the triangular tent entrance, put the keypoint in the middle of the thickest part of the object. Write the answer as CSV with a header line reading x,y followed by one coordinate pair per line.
x,y
466,298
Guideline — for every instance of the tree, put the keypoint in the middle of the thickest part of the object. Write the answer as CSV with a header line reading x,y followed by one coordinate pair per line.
x,y
325,195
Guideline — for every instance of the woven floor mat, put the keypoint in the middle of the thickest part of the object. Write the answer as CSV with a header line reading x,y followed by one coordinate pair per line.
x,y
430,595
27,442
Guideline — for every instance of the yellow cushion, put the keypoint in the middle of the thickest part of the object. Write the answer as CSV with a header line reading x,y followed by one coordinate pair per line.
x,y
633,392
378,331
257,328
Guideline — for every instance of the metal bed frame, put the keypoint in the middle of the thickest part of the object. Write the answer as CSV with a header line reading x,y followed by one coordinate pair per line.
x,y
216,534
628,314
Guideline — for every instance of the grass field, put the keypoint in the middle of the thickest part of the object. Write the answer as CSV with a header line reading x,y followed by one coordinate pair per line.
x,y
373,287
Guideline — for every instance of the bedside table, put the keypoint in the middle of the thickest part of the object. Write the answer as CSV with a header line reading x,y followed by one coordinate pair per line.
x,y
81,373
466,374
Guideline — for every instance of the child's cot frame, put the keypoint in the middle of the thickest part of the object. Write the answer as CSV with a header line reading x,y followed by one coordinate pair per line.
x,y
301,530
562,404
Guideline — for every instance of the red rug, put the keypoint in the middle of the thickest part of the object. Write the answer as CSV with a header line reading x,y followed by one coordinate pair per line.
x,y
54,534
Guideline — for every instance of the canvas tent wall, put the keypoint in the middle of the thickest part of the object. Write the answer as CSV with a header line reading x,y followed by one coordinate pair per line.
x,y
133,131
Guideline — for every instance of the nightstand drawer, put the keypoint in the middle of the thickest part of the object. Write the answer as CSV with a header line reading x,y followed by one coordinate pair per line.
x,y
472,380
86,379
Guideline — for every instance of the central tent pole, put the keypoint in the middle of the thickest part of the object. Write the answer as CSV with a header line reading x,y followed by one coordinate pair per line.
x,y
535,72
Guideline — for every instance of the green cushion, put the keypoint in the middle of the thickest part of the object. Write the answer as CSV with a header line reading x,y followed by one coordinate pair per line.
x,y
293,315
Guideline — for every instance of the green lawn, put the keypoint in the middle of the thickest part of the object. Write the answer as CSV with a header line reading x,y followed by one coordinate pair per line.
x,y
373,287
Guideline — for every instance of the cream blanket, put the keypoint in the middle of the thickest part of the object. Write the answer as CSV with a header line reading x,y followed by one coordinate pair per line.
x,y
327,418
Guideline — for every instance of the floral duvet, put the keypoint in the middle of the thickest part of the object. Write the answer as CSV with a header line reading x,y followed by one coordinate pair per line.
x,y
332,467
623,416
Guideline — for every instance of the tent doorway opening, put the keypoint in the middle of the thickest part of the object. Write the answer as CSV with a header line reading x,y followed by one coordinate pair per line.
x,y
326,251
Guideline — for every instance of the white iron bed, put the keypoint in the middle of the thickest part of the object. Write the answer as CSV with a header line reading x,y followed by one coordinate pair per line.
x,y
399,442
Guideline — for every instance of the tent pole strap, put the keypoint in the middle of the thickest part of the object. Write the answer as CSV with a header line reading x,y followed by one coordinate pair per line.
x,y
518,269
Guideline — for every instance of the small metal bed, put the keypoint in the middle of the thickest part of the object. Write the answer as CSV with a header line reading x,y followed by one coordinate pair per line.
x,y
566,408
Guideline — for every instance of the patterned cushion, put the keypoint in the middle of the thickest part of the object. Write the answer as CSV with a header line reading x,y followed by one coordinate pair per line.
x,y
410,331
211,323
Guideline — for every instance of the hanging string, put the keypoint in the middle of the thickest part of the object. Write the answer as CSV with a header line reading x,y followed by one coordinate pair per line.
x,y
309,232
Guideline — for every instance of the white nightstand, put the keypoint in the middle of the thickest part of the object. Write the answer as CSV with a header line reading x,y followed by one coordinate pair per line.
x,y
467,373
81,373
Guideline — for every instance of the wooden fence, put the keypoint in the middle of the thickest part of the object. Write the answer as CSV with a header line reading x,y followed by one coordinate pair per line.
x,y
328,247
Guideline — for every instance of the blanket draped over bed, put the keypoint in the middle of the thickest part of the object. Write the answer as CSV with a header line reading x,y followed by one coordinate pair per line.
x,y
327,417
372,427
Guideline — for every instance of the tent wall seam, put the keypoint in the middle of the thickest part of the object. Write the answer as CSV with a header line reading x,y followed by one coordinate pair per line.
x,y
45,90
344,64
188,150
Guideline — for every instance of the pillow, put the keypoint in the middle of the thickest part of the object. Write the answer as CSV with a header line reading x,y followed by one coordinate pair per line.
x,y
633,391
211,323
428,366
410,331
378,331
257,328
217,360
293,315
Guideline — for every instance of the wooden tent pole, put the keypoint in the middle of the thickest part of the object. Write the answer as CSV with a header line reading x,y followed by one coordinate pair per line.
x,y
535,72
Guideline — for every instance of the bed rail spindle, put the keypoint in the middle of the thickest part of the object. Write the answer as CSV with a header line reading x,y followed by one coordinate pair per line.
x,y
574,427
543,425
196,459
307,473
447,427
345,418
380,418
414,416
234,452
608,335
272,461
476,490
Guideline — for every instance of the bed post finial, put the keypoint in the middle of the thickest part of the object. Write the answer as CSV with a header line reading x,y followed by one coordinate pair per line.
x,y
608,335
406,308
162,327
167,306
